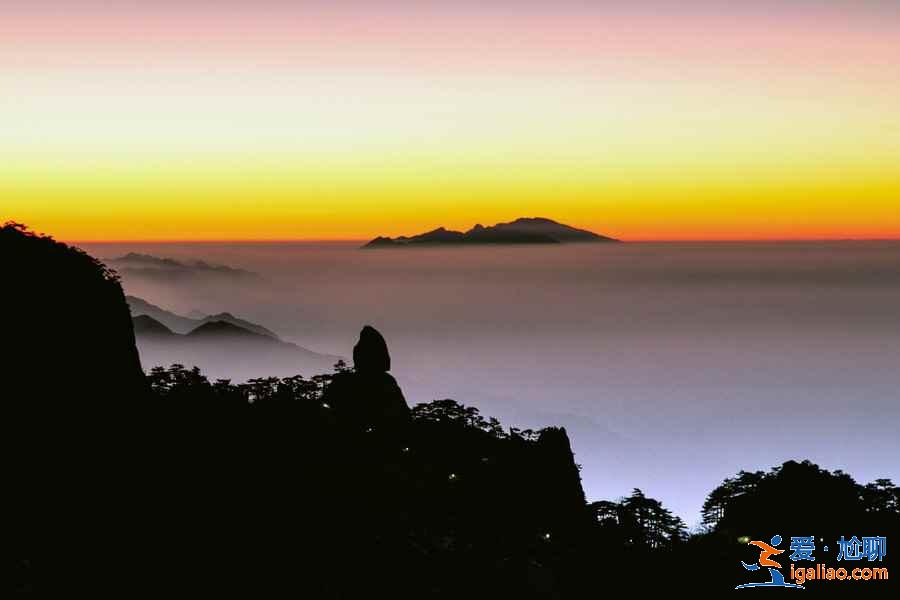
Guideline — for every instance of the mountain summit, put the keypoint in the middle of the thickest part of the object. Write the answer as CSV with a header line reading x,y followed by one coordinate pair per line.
x,y
525,230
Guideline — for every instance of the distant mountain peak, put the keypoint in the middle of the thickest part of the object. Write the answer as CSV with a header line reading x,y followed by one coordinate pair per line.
x,y
222,328
524,230
221,316
147,325
536,220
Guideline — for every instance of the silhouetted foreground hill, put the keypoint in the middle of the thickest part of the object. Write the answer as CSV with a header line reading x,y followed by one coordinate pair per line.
x,y
60,342
72,390
391,501
533,230
332,486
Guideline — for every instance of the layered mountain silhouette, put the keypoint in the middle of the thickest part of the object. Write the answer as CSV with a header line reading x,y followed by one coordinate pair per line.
x,y
147,266
182,324
148,326
224,349
525,230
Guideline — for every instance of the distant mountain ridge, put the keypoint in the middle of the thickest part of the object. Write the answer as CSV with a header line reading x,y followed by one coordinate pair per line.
x,y
221,328
181,324
169,269
147,325
524,230
224,349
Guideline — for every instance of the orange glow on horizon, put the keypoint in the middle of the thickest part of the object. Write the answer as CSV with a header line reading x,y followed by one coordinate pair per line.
x,y
316,122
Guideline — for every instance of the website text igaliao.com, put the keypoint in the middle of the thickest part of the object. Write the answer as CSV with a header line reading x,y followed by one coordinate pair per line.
x,y
820,572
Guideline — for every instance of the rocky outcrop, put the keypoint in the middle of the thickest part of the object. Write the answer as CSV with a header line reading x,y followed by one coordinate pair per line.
x,y
370,354
368,396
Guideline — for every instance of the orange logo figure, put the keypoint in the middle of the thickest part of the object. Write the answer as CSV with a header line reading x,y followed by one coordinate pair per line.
x,y
766,552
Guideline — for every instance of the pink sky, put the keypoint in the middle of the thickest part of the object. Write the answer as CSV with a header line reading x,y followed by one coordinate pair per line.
x,y
468,36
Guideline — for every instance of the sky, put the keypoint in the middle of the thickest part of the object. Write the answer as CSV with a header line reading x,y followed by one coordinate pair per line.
x,y
653,120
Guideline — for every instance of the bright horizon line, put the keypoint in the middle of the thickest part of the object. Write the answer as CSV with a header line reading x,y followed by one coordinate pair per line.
x,y
362,240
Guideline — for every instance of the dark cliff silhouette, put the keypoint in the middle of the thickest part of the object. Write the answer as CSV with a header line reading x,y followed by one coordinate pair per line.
x,y
89,332
526,230
71,387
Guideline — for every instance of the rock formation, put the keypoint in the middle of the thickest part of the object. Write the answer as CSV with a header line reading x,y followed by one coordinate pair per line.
x,y
368,397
